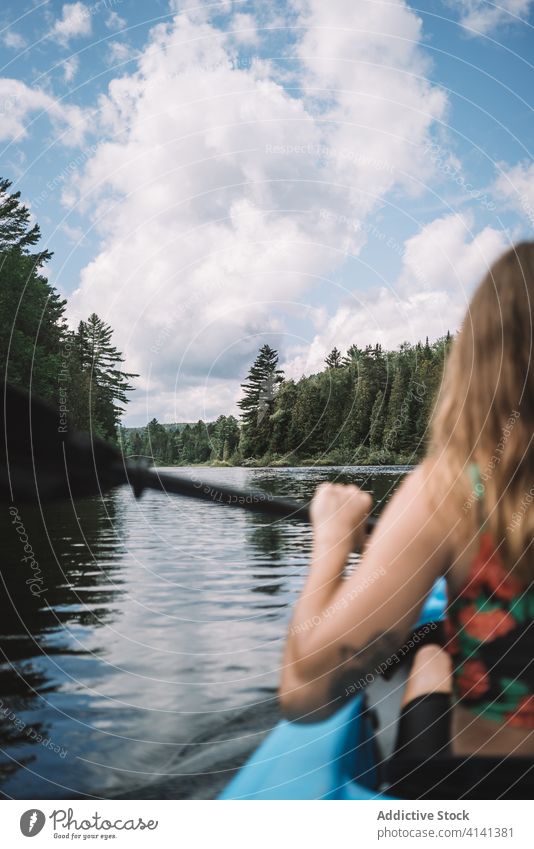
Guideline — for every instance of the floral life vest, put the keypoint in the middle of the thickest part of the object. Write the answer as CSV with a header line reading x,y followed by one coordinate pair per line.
x,y
490,636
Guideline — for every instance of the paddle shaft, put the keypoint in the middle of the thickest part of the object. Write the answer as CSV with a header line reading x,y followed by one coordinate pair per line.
x,y
40,462
193,487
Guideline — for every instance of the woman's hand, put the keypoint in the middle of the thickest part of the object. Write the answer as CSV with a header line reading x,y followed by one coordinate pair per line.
x,y
338,514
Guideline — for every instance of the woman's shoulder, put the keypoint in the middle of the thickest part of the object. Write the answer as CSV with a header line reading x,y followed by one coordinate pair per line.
x,y
416,507
411,533
426,494
444,492
421,486
448,506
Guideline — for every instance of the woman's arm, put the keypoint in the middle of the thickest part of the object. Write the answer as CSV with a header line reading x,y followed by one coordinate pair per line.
x,y
343,629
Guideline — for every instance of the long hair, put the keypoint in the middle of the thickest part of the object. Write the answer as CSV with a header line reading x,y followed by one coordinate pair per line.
x,y
484,412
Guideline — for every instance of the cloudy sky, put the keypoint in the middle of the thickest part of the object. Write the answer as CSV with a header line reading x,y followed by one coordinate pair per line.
x,y
213,176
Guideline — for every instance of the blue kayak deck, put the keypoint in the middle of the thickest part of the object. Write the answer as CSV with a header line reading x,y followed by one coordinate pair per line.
x,y
334,759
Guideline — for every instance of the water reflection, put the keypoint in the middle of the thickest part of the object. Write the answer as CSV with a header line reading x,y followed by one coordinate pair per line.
x,y
48,623
162,620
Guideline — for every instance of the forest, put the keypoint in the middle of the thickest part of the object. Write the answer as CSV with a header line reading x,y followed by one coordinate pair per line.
x,y
78,372
367,406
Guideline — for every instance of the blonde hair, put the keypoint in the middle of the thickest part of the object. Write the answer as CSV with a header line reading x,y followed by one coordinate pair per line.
x,y
484,412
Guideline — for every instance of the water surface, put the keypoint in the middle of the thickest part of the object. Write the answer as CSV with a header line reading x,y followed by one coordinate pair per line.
x,y
158,620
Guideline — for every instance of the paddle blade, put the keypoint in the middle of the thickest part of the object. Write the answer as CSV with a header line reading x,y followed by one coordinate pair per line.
x,y
40,460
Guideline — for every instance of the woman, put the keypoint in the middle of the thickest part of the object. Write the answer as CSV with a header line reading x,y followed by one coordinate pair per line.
x,y
467,723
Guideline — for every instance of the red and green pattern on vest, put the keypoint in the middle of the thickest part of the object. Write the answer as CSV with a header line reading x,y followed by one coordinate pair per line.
x,y
490,637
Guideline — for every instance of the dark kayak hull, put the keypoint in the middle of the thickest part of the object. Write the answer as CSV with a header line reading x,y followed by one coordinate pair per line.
x,y
334,759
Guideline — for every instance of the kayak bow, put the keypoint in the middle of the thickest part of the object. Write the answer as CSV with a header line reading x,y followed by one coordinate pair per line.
x,y
337,758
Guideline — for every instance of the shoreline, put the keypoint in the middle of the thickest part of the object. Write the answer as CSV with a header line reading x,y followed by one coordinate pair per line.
x,y
315,464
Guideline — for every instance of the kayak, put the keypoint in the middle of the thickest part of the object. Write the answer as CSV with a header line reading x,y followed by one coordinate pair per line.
x,y
337,758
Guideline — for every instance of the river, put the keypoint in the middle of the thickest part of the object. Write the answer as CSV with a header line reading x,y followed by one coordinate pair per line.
x,y
156,625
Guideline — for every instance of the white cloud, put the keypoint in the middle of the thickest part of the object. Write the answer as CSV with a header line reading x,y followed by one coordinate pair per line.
x,y
70,68
120,52
73,234
75,21
244,29
441,266
480,17
516,186
18,102
115,22
366,59
14,40
222,7
448,255
210,183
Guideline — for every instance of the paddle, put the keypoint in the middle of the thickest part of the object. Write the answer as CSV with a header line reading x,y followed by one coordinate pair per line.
x,y
41,460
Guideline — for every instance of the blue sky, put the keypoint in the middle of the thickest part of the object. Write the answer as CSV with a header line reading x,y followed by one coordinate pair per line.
x,y
305,173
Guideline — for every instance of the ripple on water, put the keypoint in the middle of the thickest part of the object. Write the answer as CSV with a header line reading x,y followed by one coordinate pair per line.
x,y
162,617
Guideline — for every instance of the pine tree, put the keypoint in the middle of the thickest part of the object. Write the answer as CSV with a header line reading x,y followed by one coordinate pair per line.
x,y
176,447
32,325
282,419
376,428
333,360
15,230
224,438
307,415
257,404
352,356
135,447
188,453
109,384
368,372
76,372
155,444
375,408
399,425
334,388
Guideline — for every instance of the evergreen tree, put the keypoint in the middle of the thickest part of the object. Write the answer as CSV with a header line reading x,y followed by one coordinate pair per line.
x,y
32,325
200,442
368,371
333,359
15,230
36,348
351,356
334,389
188,452
375,408
175,448
109,384
257,404
155,446
282,419
135,447
399,425
376,428
225,438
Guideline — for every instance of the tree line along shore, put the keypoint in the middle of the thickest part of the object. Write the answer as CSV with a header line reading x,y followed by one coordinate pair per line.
x,y
78,372
368,406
